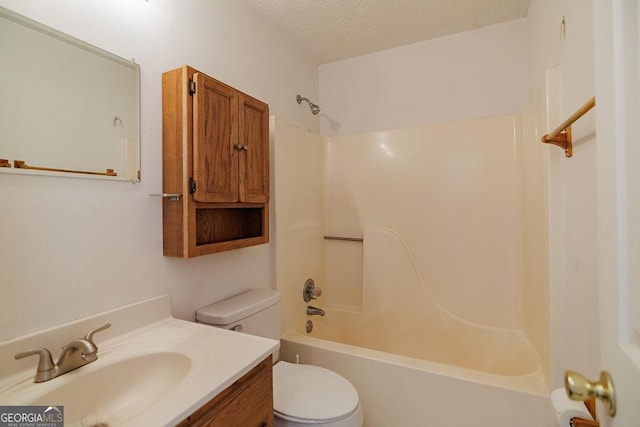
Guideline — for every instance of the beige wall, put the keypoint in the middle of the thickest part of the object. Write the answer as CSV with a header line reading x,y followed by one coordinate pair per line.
x,y
73,247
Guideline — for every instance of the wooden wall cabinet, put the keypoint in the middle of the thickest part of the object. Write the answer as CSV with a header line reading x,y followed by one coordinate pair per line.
x,y
216,155
246,403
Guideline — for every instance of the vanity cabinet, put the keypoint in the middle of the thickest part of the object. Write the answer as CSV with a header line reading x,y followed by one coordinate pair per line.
x,y
246,403
216,156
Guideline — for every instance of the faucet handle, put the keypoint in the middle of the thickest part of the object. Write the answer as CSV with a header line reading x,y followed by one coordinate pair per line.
x,y
310,290
45,364
91,333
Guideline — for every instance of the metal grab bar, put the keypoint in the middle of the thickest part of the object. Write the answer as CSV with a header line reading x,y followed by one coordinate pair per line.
x,y
347,239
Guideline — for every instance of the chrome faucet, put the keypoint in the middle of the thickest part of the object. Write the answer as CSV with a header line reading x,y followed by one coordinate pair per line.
x,y
77,353
314,311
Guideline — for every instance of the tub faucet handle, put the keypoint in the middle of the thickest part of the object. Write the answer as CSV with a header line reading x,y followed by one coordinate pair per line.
x,y
310,290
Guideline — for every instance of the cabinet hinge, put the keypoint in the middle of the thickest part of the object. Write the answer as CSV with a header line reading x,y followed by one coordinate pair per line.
x,y
192,87
192,185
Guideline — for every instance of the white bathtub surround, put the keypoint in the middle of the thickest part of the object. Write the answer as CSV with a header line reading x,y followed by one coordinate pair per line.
x,y
203,362
400,316
453,192
297,214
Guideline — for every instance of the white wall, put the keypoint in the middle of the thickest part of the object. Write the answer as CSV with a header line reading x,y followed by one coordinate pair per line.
x,y
571,181
480,73
71,247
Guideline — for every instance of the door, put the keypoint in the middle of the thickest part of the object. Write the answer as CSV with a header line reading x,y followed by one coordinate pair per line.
x,y
215,133
618,168
254,152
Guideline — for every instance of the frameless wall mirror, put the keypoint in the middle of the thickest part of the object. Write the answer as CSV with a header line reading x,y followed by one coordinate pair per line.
x,y
66,108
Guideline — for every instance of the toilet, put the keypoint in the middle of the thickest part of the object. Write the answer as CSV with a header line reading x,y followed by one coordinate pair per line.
x,y
303,395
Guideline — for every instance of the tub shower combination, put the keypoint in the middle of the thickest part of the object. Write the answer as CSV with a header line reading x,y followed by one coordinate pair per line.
x,y
413,361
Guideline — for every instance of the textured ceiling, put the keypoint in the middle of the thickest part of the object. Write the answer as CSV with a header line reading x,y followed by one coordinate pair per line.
x,y
337,29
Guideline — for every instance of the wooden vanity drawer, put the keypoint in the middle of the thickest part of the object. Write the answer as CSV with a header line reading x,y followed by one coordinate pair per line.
x,y
246,403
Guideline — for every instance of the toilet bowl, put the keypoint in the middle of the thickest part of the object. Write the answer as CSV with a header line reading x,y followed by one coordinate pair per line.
x,y
306,394
303,395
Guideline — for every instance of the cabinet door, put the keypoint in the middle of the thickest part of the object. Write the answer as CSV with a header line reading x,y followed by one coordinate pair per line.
x,y
254,157
215,132
246,403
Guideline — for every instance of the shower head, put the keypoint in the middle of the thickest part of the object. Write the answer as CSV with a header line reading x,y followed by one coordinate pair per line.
x,y
315,109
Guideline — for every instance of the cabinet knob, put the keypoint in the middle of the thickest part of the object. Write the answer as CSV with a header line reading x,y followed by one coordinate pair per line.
x,y
241,147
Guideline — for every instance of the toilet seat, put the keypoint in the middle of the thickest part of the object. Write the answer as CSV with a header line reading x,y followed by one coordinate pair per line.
x,y
311,394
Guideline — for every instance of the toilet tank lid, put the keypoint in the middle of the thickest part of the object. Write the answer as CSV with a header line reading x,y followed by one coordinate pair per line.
x,y
238,307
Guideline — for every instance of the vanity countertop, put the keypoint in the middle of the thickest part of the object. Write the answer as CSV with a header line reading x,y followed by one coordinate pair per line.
x,y
181,366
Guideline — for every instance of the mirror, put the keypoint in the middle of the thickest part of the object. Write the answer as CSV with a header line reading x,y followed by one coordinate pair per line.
x,y
66,108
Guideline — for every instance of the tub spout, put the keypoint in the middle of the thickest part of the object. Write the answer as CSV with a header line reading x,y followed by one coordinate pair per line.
x,y
314,311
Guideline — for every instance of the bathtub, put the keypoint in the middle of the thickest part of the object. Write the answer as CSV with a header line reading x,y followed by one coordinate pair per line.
x,y
403,391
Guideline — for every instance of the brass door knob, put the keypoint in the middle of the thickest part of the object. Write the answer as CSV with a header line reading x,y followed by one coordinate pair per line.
x,y
578,387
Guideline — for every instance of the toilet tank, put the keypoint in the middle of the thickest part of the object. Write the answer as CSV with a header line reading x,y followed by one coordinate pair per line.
x,y
255,312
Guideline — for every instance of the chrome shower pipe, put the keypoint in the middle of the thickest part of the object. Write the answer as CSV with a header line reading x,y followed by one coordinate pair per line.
x,y
315,109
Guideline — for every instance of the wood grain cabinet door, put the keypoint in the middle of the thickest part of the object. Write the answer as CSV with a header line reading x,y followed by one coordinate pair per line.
x,y
253,159
215,133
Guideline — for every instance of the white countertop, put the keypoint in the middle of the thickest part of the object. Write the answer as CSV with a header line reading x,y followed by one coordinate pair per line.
x,y
216,359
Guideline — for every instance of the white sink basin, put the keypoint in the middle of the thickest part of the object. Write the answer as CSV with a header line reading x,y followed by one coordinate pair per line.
x,y
117,391
152,369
